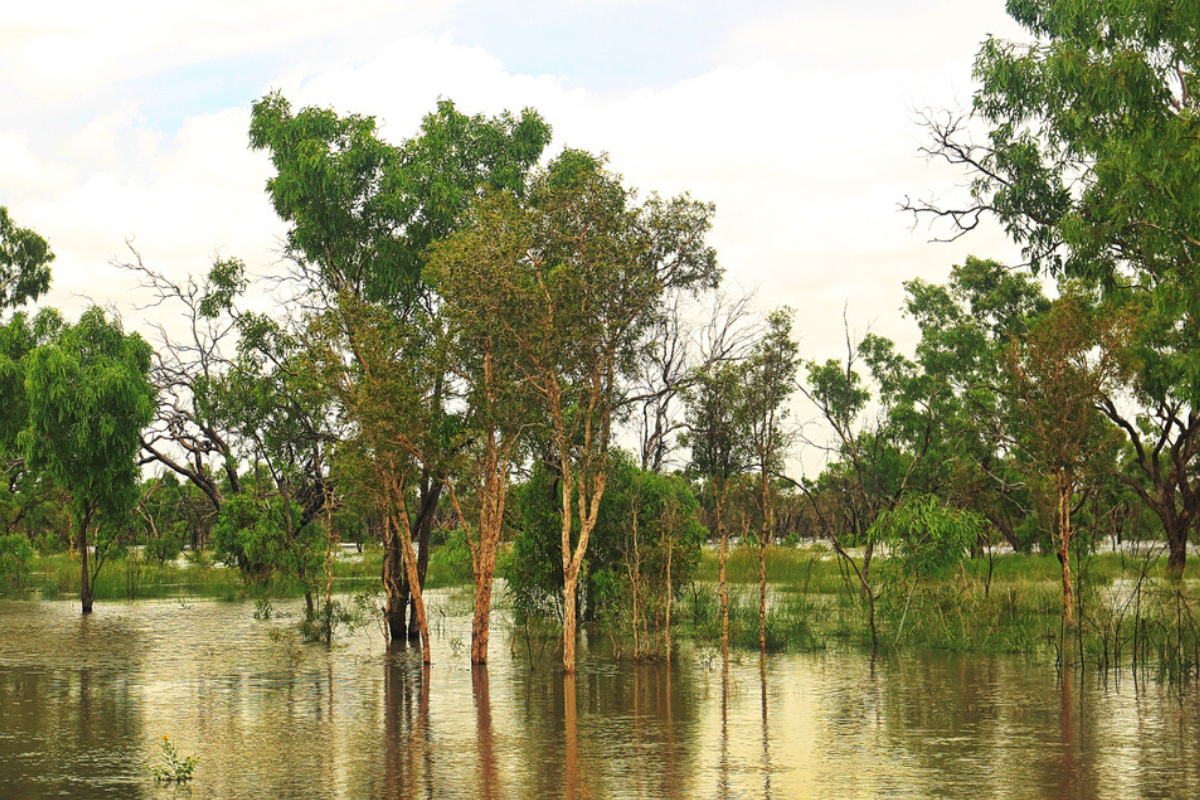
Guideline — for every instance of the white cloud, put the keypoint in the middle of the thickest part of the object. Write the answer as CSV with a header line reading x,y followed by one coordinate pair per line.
x,y
59,49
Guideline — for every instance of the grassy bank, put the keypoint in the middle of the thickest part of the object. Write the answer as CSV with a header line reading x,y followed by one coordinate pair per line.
x,y
132,577
1128,612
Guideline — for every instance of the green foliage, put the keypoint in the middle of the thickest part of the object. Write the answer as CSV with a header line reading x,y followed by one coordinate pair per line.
x,y
15,556
362,211
25,259
666,524
926,535
260,536
450,563
89,397
167,547
329,617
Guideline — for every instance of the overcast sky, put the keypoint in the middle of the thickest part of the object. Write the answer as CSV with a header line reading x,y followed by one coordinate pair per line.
x,y
127,120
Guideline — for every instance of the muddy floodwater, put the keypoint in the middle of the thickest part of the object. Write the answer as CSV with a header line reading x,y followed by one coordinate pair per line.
x,y
85,702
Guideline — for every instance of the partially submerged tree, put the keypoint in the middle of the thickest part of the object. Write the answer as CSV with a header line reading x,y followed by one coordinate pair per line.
x,y
716,434
588,268
362,213
1092,165
89,397
1058,375
770,376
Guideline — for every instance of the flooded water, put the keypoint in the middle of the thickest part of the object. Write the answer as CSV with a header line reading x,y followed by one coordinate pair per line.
x,y
84,702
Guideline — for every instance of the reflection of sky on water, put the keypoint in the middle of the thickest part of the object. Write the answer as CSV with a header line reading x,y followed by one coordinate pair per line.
x,y
84,702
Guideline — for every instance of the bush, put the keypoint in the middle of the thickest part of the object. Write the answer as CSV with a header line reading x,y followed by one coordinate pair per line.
x,y
15,555
165,548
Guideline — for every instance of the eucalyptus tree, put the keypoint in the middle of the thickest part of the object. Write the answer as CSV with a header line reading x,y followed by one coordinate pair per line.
x,y
89,396
1091,165
362,212
1058,374
951,407
25,259
22,489
484,356
585,268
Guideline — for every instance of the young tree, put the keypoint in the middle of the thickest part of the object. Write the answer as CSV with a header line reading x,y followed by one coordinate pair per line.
x,y
484,356
1058,375
716,434
89,397
770,377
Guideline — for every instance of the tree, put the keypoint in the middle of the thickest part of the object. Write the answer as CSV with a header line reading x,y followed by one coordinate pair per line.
x,y
716,434
586,269
770,380
187,435
644,548
89,397
25,259
484,357
1092,165
362,214
1057,381
678,351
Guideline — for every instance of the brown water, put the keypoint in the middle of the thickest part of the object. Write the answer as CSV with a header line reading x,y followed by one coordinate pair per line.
x,y
84,702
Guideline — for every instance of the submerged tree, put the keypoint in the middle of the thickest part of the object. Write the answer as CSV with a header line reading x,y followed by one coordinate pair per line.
x,y
770,376
716,434
1058,374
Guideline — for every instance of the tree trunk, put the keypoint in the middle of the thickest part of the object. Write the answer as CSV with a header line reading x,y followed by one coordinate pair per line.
x,y
722,586
85,578
762,594
1064,548
430,493
570,584
395,587
480,622
410,566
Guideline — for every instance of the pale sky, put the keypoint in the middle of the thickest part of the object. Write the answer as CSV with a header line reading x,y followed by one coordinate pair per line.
x,y
128,120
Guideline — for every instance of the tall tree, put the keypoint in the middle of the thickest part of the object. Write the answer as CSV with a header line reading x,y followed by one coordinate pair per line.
x,y
89,397
1092,165
586,268
362,213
